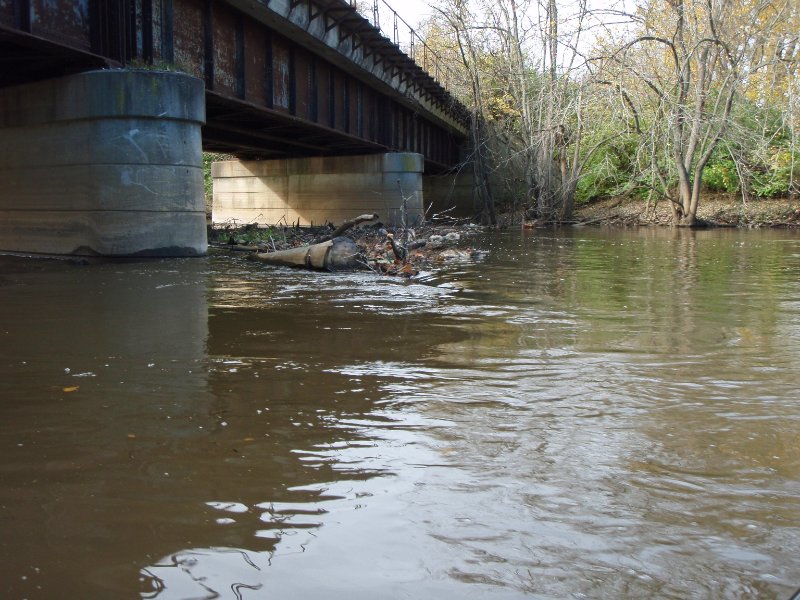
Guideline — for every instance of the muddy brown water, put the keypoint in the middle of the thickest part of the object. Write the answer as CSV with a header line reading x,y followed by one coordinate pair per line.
x,y
582,414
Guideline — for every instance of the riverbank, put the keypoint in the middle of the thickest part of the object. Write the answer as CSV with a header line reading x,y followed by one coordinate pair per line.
x,y
715,209
397,252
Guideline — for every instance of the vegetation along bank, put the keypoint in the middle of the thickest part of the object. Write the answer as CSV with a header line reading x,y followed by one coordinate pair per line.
x,y
669,104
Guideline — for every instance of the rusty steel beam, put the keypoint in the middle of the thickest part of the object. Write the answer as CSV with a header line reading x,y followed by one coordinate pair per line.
x,y
208,43
228,115
240,57
336,41
147,30
167,32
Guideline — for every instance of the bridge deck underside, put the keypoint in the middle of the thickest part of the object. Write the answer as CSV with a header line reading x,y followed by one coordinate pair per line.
x,y
25,58
268,94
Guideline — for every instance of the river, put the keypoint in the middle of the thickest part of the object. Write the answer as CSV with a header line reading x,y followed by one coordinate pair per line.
x,y
583,413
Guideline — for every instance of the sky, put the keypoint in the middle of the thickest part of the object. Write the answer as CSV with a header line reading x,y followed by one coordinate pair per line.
x,y
604,18
412,11
415,11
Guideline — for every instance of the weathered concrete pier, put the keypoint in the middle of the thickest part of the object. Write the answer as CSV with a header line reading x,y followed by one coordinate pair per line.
x,y
103,163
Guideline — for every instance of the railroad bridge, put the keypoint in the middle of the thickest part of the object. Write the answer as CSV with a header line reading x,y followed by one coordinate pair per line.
x,y
106,106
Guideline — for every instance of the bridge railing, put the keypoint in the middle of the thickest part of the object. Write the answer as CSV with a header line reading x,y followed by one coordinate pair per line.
x,y
384,18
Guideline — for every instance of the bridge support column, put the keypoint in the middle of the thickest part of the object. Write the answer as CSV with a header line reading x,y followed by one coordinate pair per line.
x,y
313,191
103,163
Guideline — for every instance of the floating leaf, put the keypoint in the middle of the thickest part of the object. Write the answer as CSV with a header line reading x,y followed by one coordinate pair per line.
x,y
73,388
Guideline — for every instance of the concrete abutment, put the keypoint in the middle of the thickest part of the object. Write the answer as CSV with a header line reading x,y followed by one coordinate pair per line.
x,y
103,163
319,190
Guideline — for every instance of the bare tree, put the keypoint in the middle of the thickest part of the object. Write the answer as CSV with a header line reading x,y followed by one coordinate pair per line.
x,y
528,77
457,16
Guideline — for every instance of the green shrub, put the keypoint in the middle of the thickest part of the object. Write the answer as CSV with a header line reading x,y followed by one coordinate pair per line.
x,y
721,176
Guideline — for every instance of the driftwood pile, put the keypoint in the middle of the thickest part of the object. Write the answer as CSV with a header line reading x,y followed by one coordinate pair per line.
x,y
330,250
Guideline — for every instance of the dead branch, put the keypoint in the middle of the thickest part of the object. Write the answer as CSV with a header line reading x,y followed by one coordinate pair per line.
x,y
344,227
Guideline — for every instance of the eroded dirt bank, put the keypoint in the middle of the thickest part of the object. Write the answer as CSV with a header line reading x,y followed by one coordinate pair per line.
x,y
720,210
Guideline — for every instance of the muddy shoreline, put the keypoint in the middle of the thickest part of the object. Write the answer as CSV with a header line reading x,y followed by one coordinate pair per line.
x,y
718,210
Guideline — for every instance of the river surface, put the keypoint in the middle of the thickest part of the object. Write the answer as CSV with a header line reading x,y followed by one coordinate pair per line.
x,y
581,414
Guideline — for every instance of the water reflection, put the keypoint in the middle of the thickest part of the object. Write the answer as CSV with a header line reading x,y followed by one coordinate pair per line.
x,y
298,368
586,414
102,374
632,408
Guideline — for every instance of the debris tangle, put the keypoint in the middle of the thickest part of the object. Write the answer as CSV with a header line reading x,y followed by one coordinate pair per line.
x,y
386,251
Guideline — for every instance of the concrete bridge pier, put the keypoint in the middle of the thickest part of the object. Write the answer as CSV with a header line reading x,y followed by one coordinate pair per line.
x,y
103,163
319,190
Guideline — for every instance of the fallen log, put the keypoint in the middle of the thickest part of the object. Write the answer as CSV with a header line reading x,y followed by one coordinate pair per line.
x,y
338,254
